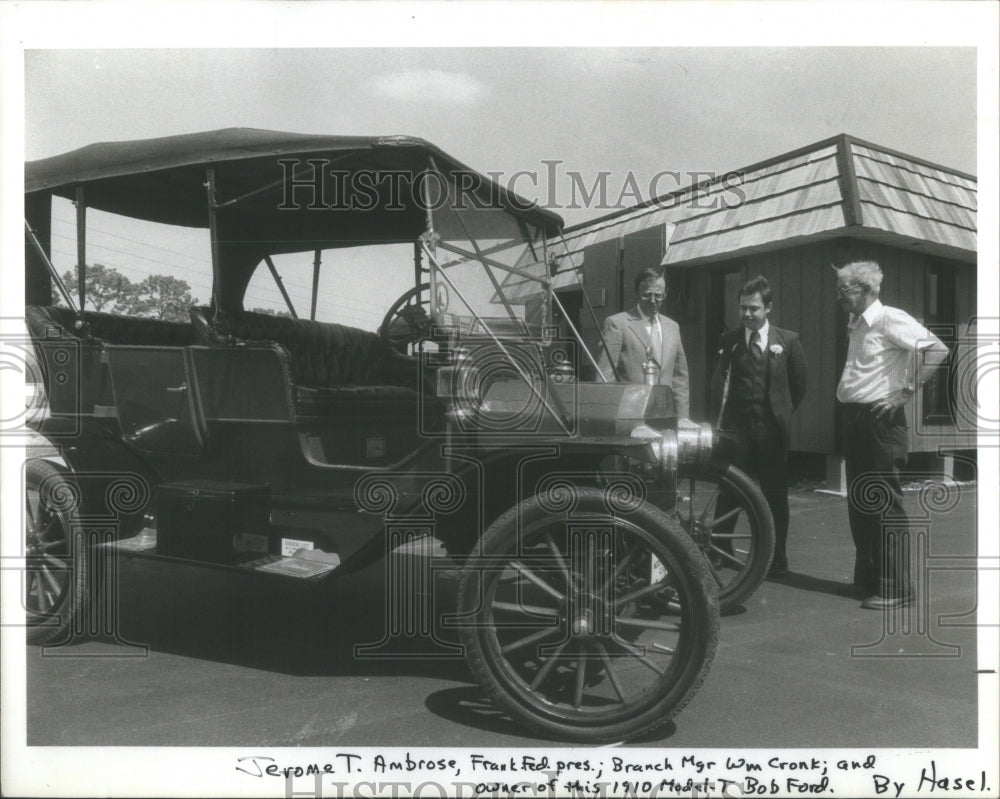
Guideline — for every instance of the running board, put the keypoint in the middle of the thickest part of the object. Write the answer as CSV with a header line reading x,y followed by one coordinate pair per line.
x,y
304,564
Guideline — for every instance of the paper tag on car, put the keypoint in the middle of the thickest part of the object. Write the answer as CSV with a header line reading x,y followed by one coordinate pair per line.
x,y
289,546
657,571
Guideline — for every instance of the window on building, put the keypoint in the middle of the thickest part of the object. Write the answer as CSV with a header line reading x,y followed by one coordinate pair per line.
x,y
941,319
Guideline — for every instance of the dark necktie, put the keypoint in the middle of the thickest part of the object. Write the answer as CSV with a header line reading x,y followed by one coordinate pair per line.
x,y
755,350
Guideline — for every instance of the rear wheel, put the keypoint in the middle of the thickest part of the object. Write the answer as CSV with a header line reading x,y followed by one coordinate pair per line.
x,y
56,568
587,620
726,514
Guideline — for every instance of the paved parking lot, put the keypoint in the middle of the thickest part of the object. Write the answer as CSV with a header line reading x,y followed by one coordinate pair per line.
x,y
230,664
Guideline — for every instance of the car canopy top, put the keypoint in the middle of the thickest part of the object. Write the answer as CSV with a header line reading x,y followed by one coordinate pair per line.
x,y
268,192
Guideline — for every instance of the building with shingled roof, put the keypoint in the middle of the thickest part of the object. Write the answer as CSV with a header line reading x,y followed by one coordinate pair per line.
x,y
790,218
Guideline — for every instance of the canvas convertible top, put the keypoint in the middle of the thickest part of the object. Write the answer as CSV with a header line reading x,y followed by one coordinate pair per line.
x,y
164,180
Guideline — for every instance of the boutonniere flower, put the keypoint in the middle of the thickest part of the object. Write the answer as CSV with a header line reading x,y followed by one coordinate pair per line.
x,y
776,349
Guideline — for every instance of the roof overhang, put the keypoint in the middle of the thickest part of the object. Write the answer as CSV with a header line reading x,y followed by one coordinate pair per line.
x,y
860,233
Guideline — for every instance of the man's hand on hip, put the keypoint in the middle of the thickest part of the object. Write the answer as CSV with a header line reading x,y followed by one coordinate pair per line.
x,y
892,402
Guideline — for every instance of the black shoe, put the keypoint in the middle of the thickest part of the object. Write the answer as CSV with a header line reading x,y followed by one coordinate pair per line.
x,y
777,573
877,602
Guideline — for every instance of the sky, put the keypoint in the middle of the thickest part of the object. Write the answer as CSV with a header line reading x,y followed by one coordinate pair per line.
x,y
600,108
550,120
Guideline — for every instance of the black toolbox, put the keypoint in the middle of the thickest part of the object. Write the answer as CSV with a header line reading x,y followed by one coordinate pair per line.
x,y
201,519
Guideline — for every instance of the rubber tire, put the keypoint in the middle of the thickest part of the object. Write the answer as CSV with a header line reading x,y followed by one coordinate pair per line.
x,y
48,480
702,610
762,528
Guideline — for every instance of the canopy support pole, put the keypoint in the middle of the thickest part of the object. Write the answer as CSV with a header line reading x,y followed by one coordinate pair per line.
x,y
213,233
281,285
315,291
40,250
81,246
444,245
576,334
418,264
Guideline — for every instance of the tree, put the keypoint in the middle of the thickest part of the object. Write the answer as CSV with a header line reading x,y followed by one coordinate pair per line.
x,y
107,288
158,296
271,312
164,297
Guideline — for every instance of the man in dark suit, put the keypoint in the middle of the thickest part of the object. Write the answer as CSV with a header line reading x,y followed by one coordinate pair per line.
x,y
758,382
643,334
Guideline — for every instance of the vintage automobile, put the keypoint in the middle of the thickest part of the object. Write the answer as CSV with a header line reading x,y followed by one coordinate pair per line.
x,y
294,450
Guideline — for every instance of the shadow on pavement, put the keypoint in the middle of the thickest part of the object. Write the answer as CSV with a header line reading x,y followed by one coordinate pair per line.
x,y
805,582
353,627
470,708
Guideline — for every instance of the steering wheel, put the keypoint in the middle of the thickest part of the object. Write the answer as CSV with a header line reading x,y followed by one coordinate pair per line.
x,y
407,321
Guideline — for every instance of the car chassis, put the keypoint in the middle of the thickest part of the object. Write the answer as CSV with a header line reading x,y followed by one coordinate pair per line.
x,y
589,577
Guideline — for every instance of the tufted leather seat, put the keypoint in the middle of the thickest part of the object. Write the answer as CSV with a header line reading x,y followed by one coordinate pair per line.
x,y
336,369
110,328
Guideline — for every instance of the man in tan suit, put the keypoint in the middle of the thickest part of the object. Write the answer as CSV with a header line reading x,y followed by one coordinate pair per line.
x,y
643,333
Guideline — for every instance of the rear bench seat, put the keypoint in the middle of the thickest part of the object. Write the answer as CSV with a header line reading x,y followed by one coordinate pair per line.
x,y
50,326
110,328
336,369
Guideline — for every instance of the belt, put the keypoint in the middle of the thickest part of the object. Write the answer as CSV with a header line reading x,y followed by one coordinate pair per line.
x,y
857,410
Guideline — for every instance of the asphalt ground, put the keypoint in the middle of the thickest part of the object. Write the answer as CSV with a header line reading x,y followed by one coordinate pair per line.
x,y
232,661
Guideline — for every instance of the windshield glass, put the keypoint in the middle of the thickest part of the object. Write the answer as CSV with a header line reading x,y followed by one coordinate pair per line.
x,y
491,285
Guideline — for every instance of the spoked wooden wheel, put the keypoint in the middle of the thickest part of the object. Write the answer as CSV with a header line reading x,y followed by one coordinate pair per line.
x,y
55,574
589,623
726,514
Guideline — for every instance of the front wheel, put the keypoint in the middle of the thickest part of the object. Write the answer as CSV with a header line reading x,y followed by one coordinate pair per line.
x,y
586,618
727,516
56,567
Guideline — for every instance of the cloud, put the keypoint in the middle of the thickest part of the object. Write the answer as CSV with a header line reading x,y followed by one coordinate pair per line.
x,y
433,85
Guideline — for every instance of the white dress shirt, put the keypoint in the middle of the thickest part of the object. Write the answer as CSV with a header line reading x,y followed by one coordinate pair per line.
x,y
882,348
655,333
763,335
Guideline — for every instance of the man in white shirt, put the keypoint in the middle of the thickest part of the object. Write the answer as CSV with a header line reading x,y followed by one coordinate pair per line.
x,y
889,356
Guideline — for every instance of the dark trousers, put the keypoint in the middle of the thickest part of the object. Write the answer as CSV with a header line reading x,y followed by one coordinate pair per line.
x,y
756,446
875,451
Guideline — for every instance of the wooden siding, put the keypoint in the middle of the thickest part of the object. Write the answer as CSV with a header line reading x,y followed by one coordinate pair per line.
x,y
804,288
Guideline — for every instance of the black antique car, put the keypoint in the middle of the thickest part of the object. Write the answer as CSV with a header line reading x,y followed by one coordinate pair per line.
x,y
296,450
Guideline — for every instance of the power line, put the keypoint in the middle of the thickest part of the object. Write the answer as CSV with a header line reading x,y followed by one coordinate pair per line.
x,y
201,273
95,229
257,295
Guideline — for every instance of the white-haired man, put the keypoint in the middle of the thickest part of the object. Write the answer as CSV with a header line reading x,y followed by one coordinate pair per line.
x,y
889,356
